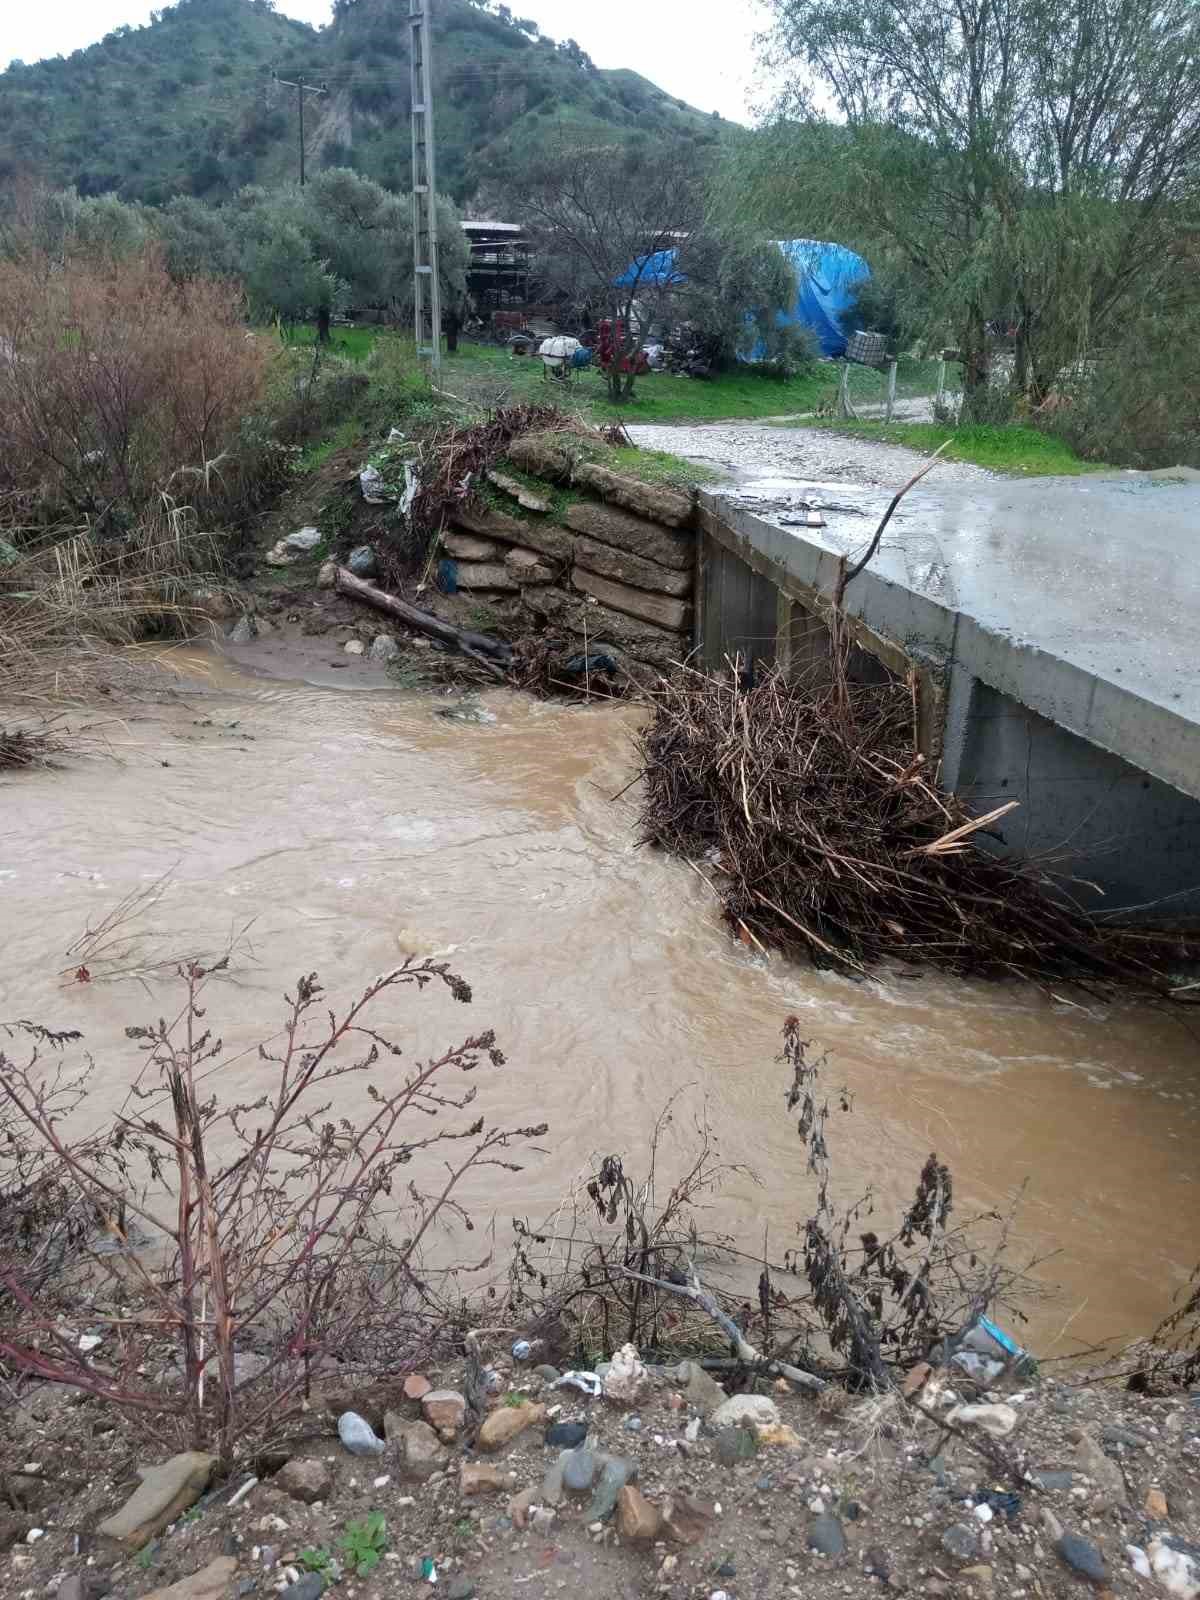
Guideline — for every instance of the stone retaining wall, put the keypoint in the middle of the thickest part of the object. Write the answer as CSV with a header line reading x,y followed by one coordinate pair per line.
x,y
617,568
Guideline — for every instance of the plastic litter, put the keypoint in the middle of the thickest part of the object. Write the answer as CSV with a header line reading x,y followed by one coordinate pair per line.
x,y
982,1368
999,1420
370,482
447,575
598,662
522,1350
1139,1560
586,1382
429,1571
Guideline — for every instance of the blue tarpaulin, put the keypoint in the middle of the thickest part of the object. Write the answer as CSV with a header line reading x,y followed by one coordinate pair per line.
x,y
826,278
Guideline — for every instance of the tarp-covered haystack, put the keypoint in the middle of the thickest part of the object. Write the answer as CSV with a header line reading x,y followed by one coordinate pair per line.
x,y
823,833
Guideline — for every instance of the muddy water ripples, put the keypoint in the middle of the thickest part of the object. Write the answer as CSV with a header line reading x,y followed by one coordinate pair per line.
x,y
343,829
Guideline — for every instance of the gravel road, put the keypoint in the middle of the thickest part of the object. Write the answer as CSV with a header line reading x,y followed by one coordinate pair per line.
x,y
746,451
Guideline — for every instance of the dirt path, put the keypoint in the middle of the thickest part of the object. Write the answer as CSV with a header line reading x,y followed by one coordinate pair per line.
x,y
746,451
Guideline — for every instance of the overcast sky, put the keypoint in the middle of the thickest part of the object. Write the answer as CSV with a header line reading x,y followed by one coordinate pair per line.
x,y
703,53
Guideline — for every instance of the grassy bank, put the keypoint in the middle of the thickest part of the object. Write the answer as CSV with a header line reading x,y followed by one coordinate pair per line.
x,y
488,375
1022,452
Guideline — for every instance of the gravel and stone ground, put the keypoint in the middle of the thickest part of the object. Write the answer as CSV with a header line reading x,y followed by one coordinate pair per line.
x,y
747,451
837,1498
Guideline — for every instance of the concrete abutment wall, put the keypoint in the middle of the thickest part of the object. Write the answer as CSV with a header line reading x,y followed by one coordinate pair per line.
x,y
1130,840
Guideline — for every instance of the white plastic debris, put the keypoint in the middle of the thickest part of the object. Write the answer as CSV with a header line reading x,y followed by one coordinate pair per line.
x,y
626,1379
998,1420
982,1368
34,1535
411,484
586,1382
370,482
1176,1570
984,1513
382,1483
89,1342
1139,1560
692,1432
236,1498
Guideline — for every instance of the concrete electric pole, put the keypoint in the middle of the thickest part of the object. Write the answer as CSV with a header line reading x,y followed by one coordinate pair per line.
x,y
427,291
301,89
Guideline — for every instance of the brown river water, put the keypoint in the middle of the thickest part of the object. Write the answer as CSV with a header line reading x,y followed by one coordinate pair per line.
x,y
348,826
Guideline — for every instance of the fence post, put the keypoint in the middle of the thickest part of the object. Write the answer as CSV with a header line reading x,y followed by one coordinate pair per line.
x,y
891,391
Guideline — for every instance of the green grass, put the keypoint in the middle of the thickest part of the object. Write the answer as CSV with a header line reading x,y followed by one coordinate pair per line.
x,y
485,373
354,343
1010,448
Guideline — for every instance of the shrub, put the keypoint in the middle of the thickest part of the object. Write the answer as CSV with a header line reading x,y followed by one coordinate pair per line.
x,y
286,1231
117,384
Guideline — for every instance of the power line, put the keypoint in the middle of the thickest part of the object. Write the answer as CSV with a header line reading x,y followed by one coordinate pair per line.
x,y
301,89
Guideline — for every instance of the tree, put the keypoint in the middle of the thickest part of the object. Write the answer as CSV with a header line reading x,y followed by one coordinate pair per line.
x,y
282,274
604,212
734,286
1042,154
197,238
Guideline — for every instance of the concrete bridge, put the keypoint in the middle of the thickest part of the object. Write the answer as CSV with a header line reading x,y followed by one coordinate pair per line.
x,y
1054,625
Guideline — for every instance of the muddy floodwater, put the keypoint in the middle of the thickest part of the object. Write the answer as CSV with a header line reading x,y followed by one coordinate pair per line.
x,y
341,827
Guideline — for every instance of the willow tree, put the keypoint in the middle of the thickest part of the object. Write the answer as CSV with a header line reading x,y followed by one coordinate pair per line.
x,y
1038,156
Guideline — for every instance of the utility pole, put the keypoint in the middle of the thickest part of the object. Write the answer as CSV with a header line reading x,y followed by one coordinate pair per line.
x,y
427,289
301,89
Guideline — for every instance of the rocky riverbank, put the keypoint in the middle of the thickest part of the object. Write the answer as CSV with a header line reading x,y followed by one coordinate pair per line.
x,y
673,1488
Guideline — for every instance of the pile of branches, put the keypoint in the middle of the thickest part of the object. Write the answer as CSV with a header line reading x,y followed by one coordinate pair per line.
x,y
826,836
556,663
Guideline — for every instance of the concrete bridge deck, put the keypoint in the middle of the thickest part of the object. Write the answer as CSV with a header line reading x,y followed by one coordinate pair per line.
x,y
1074,599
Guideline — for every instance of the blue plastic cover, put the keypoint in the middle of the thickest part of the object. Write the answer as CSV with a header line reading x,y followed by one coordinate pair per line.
x,y
826,278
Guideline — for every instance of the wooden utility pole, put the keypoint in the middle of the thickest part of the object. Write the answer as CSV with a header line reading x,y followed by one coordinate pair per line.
x,y
427,289
301,89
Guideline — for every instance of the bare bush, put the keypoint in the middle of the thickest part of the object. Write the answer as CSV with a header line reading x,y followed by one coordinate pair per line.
x,y
274,1228
116,384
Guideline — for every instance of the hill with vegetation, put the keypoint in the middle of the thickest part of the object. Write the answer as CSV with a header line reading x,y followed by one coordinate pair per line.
x,y
190,103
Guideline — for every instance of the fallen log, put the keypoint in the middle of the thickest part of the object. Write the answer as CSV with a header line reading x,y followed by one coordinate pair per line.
x,y
491,654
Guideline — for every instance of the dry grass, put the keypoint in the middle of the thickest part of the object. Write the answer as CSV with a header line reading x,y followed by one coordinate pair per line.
x,y
72,600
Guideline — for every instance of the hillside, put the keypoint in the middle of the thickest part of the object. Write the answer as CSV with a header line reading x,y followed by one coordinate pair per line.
x,y
188,104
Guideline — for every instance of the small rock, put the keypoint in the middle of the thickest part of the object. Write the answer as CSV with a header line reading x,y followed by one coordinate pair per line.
x,y
354,647
552,1482
444,1408
1051,1479
916,1378
735,1445
626,1380
547,1373
781,1435
1156,1505
1123,1436
310,1587
826,1536
756,1409
637,1520
632,1424
305,1478
541,1518
578,1470
327,577
615,1474
998,1420
384,648
1106,1474
280,556
476,1477
702,1392
878,1563
727,1569
358,1436
460,1587
519,1507
506,1422
686,1520
420,1450
362,562
165,1492
980,1574
416,1386
210,1583
303,541
243,630
566,1435
1082,1556
961,1542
